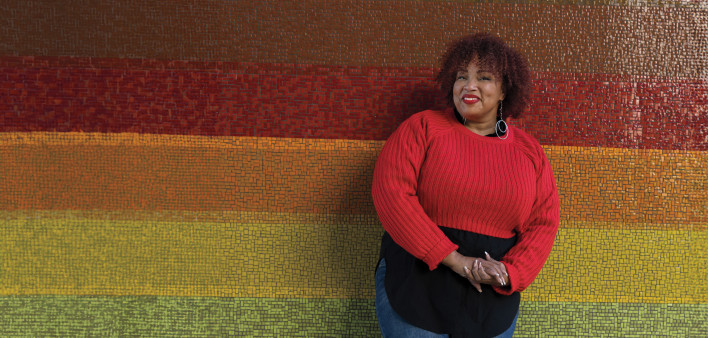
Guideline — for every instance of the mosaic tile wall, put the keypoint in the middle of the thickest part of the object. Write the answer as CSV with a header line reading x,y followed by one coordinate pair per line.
x,y
203,168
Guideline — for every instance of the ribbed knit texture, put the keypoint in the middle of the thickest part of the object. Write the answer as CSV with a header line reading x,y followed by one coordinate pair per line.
x,y
433,171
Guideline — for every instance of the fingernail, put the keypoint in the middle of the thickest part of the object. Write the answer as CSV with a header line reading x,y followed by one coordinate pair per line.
x,y
466,269
486,253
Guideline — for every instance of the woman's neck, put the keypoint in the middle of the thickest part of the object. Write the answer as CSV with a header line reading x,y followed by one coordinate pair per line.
x,y
484,128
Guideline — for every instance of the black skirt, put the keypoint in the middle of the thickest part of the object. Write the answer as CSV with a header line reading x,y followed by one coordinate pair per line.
x,y
442,301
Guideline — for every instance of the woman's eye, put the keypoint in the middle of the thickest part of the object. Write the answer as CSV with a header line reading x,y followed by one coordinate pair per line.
x,y
460,77
484,78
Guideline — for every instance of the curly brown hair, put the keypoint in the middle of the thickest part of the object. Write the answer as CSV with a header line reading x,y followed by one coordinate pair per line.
x,y
491,52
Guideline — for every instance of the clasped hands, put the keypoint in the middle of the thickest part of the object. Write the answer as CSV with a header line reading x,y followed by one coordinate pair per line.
x,y
477,270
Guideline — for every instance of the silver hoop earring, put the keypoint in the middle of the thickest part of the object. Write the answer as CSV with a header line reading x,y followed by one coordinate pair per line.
x,y
501,127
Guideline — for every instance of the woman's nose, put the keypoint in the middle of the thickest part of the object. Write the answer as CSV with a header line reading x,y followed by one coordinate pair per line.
x,y
471,84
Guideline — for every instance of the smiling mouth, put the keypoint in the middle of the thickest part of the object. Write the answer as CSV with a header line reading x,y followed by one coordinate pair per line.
x,y
470,99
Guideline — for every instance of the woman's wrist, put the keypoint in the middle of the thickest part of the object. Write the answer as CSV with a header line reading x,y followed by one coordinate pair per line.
x,y
457,263
454,262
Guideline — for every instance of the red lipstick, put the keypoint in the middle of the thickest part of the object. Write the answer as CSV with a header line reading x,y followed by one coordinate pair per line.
x,y
470,99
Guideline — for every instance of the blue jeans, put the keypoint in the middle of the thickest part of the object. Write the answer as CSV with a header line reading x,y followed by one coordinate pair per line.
x,y
392,325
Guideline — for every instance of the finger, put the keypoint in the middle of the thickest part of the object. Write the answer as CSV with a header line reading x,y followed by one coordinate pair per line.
x,y
482,271
498,263
477,286
491,273
489,258
470,277
500,267
498,277
498,274
476,271
502,270
489,277
482,275
494,271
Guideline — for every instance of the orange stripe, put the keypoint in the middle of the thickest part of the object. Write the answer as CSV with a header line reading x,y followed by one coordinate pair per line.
x,y
631,186
155,172
150,172
566,38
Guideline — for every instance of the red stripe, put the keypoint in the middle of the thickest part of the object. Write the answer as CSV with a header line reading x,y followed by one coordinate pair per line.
x,y
619,111
313,101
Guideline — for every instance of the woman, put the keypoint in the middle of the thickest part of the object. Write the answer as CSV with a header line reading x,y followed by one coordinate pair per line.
x,y
469,205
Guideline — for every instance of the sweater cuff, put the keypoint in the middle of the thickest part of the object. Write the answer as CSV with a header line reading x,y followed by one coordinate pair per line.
x,y
513,281
439,252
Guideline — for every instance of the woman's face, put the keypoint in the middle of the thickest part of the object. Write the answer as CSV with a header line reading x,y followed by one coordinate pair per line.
x,y
476,93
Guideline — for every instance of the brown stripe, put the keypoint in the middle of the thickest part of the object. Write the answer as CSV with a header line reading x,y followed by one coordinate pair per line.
x,y
623,3
588,39
180,29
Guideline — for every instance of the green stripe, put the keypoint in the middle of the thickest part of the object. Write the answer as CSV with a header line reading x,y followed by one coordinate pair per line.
x,y
38,316
205,316
183,316
550,319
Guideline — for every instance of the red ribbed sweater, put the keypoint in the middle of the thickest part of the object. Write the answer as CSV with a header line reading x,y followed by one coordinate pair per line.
x,y
434,171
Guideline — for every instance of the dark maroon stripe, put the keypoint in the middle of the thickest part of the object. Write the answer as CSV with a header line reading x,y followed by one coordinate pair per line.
x,y
313,101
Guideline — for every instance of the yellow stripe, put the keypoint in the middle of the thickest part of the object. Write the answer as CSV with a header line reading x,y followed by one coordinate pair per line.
x,y
258,217
279,255
644,266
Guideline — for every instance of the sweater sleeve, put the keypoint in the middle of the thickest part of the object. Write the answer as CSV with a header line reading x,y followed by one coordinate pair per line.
x,y
535,239
394,192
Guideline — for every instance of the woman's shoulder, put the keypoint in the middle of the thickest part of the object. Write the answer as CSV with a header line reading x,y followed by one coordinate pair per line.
x,y
528,144
524,137
432,121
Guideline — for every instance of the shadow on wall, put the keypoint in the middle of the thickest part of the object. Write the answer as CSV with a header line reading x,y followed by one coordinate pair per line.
x,y
422,96
425,96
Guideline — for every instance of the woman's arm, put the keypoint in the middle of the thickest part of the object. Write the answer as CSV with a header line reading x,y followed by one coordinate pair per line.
x,y
535,238
394,191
